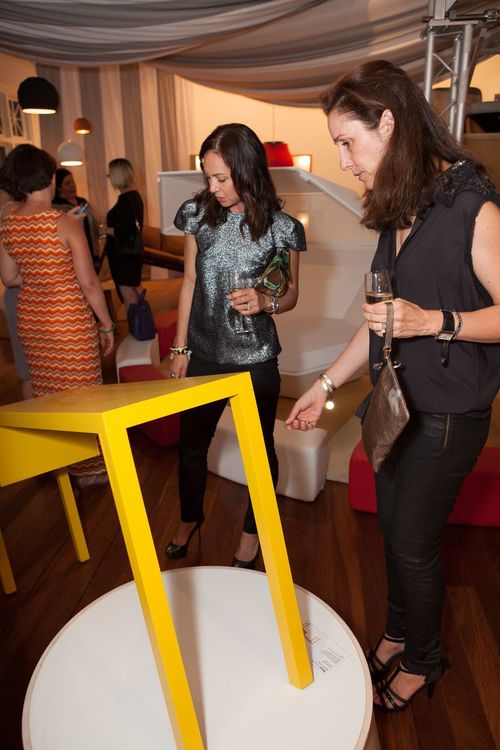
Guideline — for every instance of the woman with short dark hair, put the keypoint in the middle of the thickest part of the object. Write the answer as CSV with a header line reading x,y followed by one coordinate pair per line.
x,y
236,223
45,252
439,219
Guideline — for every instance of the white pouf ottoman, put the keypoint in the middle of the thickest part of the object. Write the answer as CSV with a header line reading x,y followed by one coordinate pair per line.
x,y
133,352
302,456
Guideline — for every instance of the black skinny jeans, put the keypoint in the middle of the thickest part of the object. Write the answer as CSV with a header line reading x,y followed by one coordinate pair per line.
x,y
416,491
198,428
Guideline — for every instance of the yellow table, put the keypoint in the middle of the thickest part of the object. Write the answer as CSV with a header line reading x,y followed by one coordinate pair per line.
x,y
49,430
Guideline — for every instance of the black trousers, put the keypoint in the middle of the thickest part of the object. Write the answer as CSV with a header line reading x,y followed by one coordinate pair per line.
x,y
198,428
416,491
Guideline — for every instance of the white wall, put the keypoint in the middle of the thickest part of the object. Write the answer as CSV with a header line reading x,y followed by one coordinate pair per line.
x,y
303,129
13,71
487,78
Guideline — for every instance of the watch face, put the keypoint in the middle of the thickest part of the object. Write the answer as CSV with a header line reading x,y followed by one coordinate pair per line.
x,y
445,335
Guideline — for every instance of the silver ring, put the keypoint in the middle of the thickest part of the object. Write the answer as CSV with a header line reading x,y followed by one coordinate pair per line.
x,y
172,374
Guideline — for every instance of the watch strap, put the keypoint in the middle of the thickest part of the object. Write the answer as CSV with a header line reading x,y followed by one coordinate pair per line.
x,y
447,330
446,335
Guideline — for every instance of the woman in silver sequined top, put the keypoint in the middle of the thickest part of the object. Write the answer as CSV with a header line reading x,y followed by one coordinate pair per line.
x,y
235,222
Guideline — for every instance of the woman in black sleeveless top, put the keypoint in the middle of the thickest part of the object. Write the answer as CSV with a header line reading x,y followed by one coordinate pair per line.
x,y
439,223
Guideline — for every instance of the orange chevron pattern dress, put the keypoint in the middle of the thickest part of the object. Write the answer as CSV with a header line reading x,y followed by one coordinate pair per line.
x,y
55,323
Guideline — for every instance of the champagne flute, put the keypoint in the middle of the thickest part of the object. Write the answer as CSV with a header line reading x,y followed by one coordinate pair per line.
x,y
378,287
237,280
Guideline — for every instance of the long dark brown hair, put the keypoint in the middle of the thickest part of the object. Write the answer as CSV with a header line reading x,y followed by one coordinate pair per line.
x,y
405,182
244,154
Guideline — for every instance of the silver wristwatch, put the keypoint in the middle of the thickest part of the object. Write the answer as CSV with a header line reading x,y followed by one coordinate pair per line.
x,y
274,306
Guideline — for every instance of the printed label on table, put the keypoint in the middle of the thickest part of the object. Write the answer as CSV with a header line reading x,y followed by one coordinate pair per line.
x,y
326,653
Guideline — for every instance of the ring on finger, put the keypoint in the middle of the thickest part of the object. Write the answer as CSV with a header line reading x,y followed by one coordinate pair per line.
x,y
248,306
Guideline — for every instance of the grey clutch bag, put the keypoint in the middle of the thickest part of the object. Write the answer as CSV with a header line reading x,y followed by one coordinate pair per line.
x,y
387,414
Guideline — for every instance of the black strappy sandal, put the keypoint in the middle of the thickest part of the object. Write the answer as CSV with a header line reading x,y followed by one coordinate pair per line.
x,y
391,702
379,669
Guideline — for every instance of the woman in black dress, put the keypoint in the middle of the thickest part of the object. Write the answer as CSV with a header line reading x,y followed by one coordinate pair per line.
x,y
122,221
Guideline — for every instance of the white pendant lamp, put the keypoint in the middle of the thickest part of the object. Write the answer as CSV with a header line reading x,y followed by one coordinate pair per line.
x,y
69,154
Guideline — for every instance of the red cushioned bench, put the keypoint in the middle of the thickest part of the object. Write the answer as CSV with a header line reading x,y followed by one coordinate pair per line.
x,y
478,503
165,430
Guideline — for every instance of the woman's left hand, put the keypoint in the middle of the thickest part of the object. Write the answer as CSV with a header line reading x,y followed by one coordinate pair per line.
x,y
409,319
75,213
248,301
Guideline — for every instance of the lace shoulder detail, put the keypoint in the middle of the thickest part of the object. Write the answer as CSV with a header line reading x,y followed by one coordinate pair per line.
x,y
463,175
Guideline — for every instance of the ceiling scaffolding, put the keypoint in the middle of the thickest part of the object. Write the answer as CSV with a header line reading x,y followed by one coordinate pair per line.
x,y
469,32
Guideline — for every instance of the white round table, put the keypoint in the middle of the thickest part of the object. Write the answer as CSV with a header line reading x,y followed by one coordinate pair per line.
x,y
96,685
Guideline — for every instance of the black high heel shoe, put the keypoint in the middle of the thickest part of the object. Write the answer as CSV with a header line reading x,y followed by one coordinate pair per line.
x,y
248,564
380,669
391,702
176,551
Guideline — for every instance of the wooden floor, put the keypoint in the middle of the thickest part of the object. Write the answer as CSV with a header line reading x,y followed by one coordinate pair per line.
x,y
335,553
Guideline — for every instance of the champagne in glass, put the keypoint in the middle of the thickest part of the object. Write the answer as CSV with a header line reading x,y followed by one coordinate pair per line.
x,y
237,280
377,287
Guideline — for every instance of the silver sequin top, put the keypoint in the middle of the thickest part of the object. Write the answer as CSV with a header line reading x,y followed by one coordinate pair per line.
x,y
211,333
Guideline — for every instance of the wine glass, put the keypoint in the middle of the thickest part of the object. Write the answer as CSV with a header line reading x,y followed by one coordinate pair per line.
x,y
237,280
378,287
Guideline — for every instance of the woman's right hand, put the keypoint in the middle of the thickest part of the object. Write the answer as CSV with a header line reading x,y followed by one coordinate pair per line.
x,y
179,366
308,408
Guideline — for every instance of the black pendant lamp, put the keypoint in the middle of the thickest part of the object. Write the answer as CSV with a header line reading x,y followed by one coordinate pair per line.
x,y
37,96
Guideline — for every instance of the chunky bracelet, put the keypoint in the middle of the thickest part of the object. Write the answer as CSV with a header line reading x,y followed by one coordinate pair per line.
x,y
179,349
458,323
329,387
107,330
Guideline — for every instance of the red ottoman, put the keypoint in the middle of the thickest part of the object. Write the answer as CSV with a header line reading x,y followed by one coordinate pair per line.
x,y
478,503
166,328
165,430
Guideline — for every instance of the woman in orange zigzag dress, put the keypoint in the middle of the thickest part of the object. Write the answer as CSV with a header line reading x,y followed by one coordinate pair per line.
x,y
45,252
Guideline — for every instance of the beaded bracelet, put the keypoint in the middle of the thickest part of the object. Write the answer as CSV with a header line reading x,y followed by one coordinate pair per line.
x,y
109,330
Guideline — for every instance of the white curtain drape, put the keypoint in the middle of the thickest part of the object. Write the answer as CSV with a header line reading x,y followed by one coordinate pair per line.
x,y
279,51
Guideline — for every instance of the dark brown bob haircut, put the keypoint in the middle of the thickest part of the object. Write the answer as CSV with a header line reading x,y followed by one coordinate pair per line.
x,y
241,151
420,144
25,170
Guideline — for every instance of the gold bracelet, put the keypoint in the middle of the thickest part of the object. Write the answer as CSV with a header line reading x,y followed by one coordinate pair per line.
x,y
458,323
179,349
329,387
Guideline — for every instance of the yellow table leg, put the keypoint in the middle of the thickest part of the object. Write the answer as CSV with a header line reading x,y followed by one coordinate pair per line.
x,y
8,583
253,452
72,515
143,559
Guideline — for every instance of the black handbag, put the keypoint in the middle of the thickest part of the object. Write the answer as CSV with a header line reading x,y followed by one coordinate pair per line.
x,y
134,245
387,413
141,324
